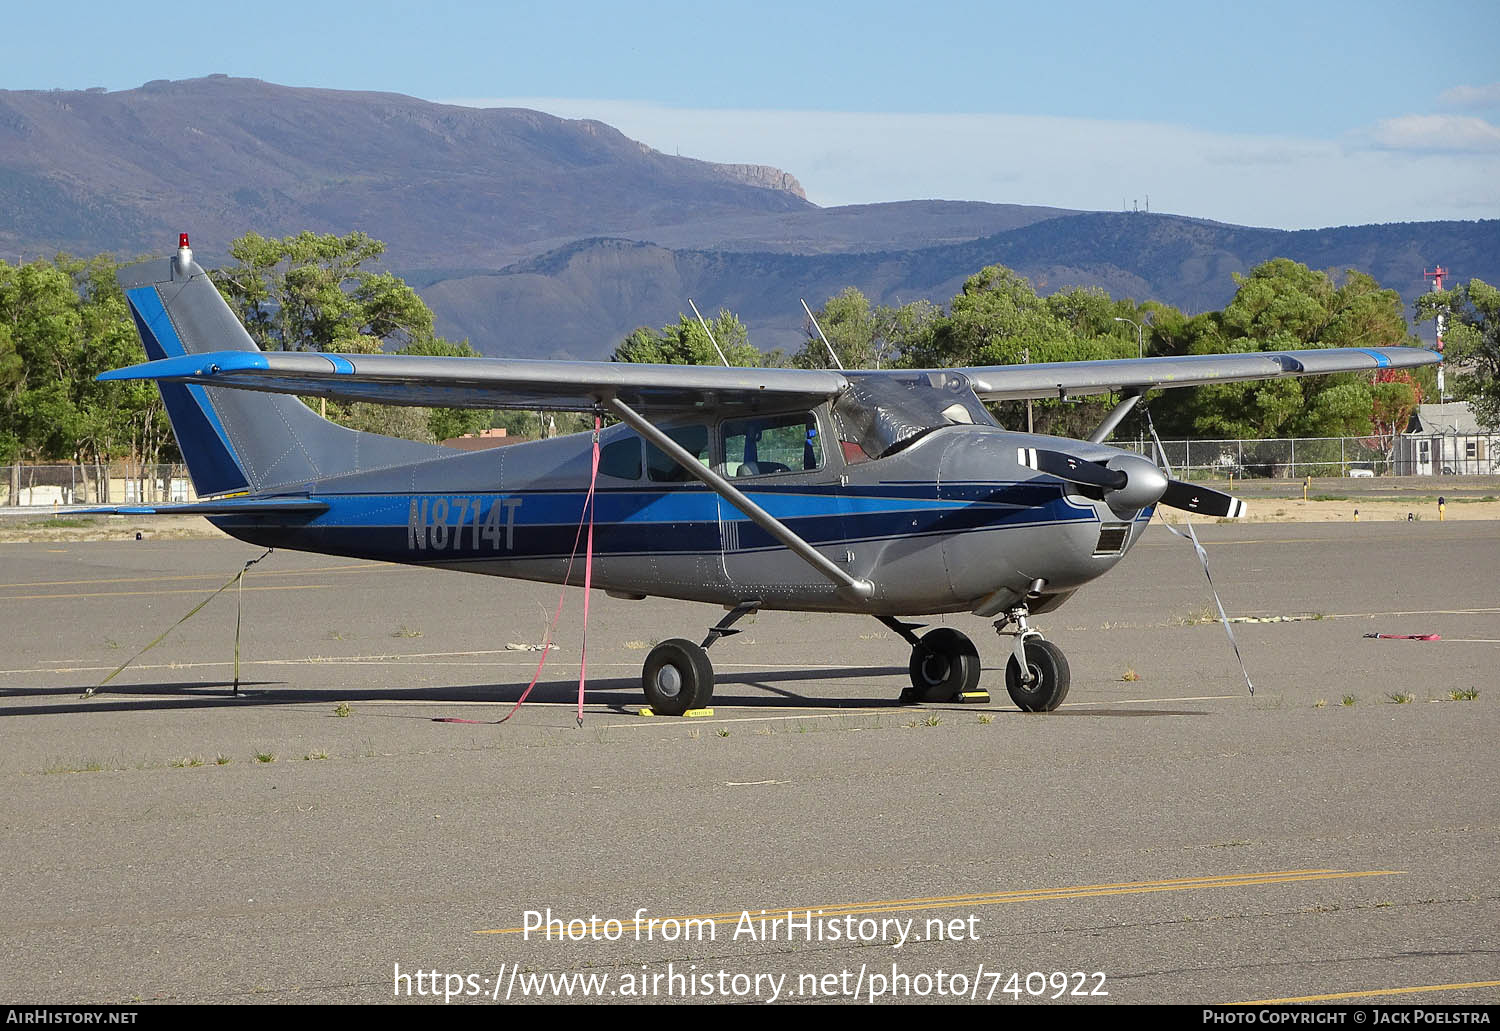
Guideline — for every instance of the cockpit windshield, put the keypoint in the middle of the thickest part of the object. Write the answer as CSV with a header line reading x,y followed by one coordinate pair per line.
x,y
881,413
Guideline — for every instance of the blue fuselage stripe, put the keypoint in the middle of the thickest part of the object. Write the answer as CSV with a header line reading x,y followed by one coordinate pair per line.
x,y
544,524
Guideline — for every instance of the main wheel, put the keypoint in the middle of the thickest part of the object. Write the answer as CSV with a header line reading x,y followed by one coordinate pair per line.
x,y
944,664
677,677
1049,672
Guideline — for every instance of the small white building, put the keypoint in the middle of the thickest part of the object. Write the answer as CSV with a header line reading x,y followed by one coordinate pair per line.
x,y
1446,440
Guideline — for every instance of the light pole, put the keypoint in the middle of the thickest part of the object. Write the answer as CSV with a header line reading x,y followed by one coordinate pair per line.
x,y
1140,346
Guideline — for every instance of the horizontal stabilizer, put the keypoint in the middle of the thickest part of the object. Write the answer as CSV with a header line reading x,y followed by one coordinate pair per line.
x,y
223,506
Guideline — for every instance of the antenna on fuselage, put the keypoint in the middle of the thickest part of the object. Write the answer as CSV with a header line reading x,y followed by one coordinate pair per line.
x,y
838,364
710,332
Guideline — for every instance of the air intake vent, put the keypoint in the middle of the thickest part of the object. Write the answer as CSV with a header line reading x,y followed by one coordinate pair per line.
x,y
1112,538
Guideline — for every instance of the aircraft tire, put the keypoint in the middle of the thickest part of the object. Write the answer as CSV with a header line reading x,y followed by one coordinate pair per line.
x,y
677,677
1050,670
944,664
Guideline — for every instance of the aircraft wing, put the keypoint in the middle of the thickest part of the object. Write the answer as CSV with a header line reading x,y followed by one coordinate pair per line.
x,y
1054,379
533,383
442,382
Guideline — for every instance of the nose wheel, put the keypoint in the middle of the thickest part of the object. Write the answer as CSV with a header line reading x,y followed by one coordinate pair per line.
x,y
1037,676
1046,682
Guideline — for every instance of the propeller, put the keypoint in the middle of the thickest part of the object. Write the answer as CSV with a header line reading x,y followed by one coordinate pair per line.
x,y
1192,497
1130,481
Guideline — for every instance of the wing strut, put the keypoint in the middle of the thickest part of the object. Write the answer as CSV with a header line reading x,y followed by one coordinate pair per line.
x,y
1112,420
861,589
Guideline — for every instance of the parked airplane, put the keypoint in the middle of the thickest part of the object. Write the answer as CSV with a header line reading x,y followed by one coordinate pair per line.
x,y
891,493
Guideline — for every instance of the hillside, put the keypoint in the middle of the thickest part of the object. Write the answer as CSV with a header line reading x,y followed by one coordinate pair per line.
x,y
579,301
91,170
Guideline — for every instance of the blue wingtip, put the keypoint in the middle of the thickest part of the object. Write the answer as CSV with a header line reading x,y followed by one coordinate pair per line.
x,y
190,366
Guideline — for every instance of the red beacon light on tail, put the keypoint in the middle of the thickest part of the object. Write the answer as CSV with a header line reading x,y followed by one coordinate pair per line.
x,y
184,256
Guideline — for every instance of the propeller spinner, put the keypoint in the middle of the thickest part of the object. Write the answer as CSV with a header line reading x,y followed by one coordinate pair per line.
x,y
1132,482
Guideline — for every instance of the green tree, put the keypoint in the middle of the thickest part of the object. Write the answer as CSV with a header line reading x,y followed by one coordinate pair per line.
x,y
686,343
851,329
61,324
313,292
904,331
998,319
1284,305
1471,343
316,292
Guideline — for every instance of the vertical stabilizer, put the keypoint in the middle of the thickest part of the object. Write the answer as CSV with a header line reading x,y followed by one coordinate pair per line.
x,y
235,440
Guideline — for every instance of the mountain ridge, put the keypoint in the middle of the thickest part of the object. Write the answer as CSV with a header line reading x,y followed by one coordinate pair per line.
x,y
530,234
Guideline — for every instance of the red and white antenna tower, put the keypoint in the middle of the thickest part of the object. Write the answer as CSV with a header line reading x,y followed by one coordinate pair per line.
x,y
1436,274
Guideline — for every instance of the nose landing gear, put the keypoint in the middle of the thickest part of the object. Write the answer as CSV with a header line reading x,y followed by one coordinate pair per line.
x,y
1036,676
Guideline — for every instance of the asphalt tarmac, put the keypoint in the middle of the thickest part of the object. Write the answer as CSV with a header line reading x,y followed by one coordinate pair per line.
x,y
1164,837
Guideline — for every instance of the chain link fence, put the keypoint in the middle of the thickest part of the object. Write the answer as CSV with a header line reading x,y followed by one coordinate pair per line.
x,y
1288,458
118,483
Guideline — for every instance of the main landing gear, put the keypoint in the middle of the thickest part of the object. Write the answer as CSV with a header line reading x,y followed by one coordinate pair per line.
x,y
678,677
945,665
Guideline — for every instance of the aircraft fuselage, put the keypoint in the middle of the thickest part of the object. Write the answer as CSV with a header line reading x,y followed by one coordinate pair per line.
x,y
951,523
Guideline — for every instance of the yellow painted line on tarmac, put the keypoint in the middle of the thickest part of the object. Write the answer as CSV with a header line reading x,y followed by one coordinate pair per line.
x,y
1372,993
1004,897
135,594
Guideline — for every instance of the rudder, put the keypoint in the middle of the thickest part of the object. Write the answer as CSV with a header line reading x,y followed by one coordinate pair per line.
x,y
236,441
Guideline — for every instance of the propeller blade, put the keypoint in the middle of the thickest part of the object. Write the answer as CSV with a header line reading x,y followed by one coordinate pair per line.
x,y
1071,468
1193,497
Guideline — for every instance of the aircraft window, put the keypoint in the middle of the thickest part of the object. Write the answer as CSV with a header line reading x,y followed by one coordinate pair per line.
x,y
772,444
622,459
692,439
849,443
887,412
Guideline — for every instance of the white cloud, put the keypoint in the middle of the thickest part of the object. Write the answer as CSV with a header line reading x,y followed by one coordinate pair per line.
x,y
1267,180
1438,132
1480,98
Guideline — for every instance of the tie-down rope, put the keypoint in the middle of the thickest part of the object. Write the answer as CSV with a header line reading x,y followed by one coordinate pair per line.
x,y
587,515
1202,555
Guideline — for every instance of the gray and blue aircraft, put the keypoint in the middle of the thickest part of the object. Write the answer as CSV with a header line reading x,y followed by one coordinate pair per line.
x,y
889,493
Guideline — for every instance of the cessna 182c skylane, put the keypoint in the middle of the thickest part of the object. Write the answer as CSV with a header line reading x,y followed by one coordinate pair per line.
x,y
888,493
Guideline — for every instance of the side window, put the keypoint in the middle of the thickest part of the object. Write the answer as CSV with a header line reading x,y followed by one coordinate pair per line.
x,y
621,459
692,439
772,444
849,442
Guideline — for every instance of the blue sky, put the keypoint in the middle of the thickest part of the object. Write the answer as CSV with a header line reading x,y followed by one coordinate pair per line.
x,y
1269,113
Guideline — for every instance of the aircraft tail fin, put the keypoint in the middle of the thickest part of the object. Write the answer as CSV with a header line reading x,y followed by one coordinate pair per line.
x,y
234,441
